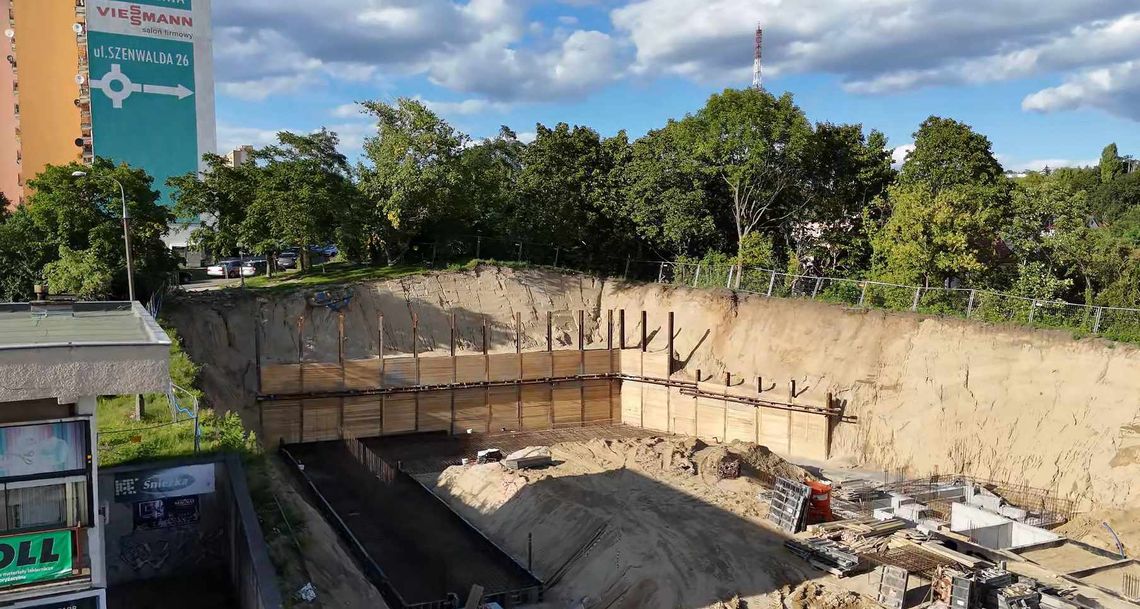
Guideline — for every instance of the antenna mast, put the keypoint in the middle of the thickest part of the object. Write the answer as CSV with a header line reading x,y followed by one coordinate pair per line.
x,y
757,79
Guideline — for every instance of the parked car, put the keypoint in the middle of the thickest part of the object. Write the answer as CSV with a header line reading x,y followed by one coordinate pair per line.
x,y
224,268
253,266
287,260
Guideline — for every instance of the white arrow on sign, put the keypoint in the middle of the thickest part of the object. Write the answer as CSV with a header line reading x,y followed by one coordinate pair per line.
x,y
181,92
126,87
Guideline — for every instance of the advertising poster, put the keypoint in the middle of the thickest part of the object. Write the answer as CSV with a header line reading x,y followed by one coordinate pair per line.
x,y
87,602
35,557
152,84
28,450
169,482
166,513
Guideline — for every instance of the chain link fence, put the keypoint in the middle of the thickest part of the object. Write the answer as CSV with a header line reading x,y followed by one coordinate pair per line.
x,y
1116,323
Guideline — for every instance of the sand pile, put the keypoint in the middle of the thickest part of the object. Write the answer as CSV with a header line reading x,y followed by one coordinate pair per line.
x,y
815,595
631,523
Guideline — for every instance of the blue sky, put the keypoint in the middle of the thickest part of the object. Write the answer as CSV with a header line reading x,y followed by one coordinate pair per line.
x,y
1050,82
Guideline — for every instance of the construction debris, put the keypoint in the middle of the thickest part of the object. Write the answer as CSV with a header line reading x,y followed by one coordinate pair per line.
x,y
529,457
788,509
728,468
825,554
490,455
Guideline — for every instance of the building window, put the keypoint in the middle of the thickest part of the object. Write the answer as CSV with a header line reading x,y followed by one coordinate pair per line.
x,y
44,505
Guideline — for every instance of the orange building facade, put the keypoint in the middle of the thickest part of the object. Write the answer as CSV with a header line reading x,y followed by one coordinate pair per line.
x,y
45,113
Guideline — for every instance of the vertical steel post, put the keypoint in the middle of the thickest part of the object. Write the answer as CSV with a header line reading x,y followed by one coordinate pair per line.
x,y
257,345
549,331
792,389
644,334
970,305
815,290
697,276
863,294
581,330
452,339
484,335
610,329
1096,323
917,294
621,328
771,283
661,273
518,332
759,384
669,338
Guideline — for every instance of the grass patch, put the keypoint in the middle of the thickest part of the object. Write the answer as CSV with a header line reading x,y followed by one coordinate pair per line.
x,y
333,273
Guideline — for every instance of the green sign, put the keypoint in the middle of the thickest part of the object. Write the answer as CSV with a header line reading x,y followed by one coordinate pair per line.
x,y
36,557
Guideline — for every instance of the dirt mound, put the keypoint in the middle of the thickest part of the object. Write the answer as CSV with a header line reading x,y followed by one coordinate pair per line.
x,y
814,595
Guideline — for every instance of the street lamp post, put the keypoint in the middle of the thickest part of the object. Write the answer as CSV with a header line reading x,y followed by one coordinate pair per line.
x,y
126,232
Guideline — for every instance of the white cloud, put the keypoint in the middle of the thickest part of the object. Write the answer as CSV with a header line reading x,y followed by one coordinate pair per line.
x,y
568,20
465,107
231,137
1114,88
352,110
880,46
527,137
898,155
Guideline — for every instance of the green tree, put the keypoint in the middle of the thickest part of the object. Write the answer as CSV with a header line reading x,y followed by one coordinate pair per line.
x,y
83,214
219,196
410,176
1112,201
1111,165
490,171
944,212
79,273
753,145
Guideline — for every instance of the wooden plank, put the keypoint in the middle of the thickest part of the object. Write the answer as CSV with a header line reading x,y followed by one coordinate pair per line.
x,y
280,379
321,376
537,364
399,413
436,370
435,411
503,367
362,416
567,401
655,365
504,403
710,419
741,423
362,373
808,435
655,407
399,371
774,429
470,368
596,401
280,422
598,361
630,361
615,401
683,408
631,403
470,410
321,420
567,363
536,401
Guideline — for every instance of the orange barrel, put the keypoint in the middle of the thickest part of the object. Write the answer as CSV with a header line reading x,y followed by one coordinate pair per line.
x,y
819,503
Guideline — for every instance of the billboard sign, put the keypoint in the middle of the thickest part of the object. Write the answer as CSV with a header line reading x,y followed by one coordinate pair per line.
x,y
36,557
167,512
83,602
170,482
51,448
152,84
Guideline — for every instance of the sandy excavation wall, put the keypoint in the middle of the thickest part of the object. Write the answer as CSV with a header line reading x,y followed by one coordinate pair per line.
x,y
930,394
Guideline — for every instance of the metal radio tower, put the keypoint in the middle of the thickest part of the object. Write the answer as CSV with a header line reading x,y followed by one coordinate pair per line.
x,y
757,79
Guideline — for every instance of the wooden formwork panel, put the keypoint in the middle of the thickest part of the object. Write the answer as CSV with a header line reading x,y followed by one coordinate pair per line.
x,y
280,422
808,436
597,362
713,387
322,377
363,416
710,418
504,402
567,363
537,364
436,370
741,387
503,367
435,411
741,423
774,429
566,399
471,410
399,371
615,401
655,365
683,408
655,407
362,373
281,378
629,361
536,407
470,368
631,402
399,413
596,399
321,420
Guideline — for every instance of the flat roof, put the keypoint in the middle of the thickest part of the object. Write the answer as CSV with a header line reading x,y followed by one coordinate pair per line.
x,y
71,324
